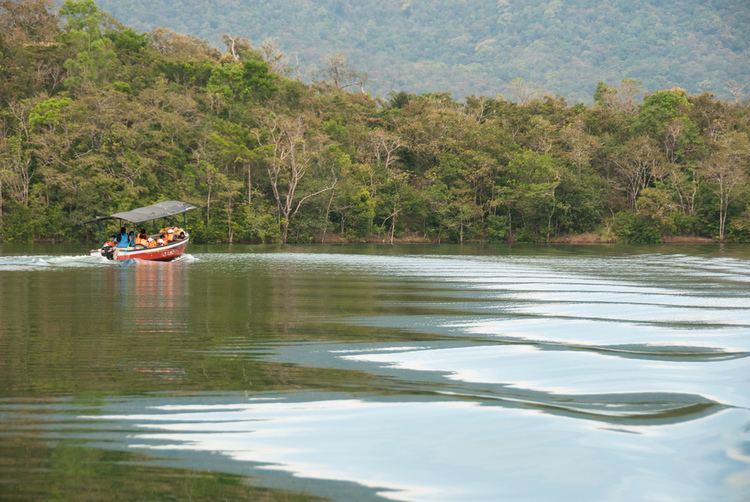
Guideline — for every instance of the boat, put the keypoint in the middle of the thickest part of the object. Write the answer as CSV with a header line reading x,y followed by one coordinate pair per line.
x,y
166,252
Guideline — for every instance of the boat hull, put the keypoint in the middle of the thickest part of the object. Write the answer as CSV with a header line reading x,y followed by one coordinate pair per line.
x,y
161,253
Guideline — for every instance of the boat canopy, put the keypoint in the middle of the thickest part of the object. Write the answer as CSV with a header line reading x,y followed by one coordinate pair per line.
x,y
154,211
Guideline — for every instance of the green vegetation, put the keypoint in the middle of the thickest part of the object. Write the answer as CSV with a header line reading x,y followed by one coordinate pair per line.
x,y
95,117
480,47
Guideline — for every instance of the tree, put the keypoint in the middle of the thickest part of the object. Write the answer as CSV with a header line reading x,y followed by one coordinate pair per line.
x,y
621,98
660,109
533,180
580,145
736,90
727,168
95,58
522,91
385,154
182,47
635,163
340,75
28,23
275,58
293,147
15,169
83,16
237,47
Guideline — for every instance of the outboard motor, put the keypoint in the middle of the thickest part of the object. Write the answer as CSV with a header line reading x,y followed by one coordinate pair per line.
x,y
108,252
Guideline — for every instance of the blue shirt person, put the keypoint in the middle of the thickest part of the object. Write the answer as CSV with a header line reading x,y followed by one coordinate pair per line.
x,y
122,239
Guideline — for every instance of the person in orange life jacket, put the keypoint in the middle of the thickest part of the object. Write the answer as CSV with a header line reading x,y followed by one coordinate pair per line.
x,y
151,242
170,235
144,237
111,242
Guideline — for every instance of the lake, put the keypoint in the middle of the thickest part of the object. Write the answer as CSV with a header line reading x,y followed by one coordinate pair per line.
x,y
367,373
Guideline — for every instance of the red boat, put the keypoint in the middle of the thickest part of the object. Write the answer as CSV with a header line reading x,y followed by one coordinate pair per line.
x,y
166,252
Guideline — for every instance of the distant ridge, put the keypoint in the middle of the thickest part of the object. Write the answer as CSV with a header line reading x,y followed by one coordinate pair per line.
x,y
480,46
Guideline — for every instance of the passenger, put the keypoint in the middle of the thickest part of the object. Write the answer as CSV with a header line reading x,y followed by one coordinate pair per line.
x,y
160,242
122,239
112,242
182,235
131,239
144,237
170,235
151,242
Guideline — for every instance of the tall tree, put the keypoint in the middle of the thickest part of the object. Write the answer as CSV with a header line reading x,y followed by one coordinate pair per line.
x,y
728,168
293,147
635,163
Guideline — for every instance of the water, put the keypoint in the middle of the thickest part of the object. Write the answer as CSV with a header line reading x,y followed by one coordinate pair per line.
x,y
360,373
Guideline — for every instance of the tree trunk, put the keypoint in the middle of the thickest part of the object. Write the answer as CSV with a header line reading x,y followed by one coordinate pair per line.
x,y
551,215
328,214
230,230
393,224
208,207
249,185
723,206
510,227
284,230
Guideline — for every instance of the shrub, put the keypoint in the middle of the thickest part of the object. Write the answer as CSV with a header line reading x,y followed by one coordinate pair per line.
x,y
497,228
633,228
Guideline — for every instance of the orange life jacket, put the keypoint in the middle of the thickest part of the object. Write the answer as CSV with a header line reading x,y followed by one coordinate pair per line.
x,y
152,244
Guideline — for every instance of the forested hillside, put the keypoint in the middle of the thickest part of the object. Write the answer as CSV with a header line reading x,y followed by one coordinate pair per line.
x,y
96,117
480,47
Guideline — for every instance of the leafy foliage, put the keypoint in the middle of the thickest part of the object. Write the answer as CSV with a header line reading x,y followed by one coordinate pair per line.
x,y
95,117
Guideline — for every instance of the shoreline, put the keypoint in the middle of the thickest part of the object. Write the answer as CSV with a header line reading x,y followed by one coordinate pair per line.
x,y
573,239
336,239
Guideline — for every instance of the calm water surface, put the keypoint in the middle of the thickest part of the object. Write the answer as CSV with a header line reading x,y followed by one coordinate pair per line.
x,y
358,373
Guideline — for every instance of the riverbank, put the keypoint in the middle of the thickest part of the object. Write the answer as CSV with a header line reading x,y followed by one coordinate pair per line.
x,y
593,238
333,238
582,239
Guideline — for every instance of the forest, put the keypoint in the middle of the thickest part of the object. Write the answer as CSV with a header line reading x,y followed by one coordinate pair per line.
x,y
96,117
484,47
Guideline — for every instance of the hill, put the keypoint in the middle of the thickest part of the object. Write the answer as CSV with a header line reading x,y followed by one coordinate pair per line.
x,y
478,47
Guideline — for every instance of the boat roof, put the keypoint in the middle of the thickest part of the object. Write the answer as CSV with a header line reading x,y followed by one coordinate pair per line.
x,y
154,211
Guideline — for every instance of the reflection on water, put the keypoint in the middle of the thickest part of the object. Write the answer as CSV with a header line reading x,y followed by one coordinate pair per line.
x,y
454,449
157,299
589,376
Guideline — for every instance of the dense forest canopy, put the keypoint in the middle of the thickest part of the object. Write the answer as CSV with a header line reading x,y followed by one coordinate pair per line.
x,y
96,117
480,47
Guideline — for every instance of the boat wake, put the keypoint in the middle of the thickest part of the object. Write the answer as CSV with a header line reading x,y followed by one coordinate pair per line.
x,y
42,262
186,258
47,262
